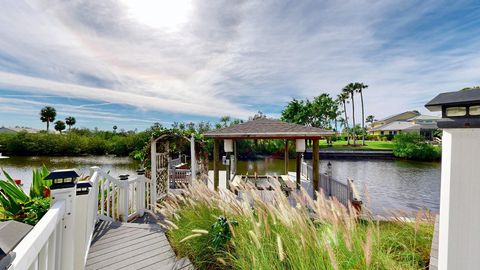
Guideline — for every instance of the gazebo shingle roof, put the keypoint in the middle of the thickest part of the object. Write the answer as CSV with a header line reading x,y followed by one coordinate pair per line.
x,y
264,128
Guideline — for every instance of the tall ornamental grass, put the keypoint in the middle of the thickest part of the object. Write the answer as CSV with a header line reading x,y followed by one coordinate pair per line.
x,y
219,231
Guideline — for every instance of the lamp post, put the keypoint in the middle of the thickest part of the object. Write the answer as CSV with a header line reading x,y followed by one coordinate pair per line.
x,y
459,224
300,149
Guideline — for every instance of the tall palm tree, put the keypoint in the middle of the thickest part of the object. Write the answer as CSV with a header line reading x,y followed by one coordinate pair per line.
x,y
342,99
349,89
70,121
359,87
47,114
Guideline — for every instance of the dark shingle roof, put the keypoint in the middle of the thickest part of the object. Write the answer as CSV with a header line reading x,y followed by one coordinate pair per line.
x,y
464,97
268,129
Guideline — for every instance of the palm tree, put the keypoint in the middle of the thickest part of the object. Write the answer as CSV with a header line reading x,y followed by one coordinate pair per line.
x,y
359,87
349,89
342,99
370,119
47,114
59,126
70,121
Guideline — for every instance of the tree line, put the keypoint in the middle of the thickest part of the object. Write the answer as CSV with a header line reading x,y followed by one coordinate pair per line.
x,y
326,112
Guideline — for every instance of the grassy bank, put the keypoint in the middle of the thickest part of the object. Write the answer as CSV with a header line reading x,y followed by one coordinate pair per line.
x,y
370,145
219,232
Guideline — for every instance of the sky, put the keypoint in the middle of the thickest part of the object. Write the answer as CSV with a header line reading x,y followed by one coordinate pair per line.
x,y
133,63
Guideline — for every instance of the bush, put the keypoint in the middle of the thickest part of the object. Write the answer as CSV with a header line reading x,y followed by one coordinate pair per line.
x,y
15,204
414,146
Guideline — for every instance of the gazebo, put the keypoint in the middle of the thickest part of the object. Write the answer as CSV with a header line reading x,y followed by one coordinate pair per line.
x,y
264,128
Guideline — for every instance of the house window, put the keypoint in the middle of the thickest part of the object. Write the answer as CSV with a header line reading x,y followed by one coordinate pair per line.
x,y
382,132
456,111
474,110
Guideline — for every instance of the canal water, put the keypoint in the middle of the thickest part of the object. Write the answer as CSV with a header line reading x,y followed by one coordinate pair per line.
x,y
385,184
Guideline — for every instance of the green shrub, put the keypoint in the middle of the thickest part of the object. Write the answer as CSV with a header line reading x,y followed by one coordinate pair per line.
x,y
15,204
414,146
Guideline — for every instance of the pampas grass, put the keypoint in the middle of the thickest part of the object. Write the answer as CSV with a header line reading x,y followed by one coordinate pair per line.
x,y
272,231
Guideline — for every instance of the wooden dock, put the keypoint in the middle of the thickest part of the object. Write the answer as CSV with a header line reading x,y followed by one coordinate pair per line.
x,y
132,246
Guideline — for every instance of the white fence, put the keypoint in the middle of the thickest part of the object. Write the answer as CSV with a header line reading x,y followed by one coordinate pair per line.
x,y
42,246
344,192
61,239
120,199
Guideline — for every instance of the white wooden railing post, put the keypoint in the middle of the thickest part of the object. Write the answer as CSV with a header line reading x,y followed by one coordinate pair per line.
x,y
140,193
65,260
82,223
153,175
123,202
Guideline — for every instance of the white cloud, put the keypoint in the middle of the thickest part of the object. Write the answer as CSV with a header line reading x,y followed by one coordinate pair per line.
x,y
235,58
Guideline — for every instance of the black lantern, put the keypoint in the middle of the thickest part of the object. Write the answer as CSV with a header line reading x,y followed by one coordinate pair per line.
x,y
62,178
83,188
459,109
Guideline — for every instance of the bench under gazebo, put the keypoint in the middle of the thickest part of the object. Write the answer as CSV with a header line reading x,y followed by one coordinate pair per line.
x,y
266,129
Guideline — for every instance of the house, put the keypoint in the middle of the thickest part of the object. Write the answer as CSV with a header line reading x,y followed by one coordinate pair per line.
x,y
410,121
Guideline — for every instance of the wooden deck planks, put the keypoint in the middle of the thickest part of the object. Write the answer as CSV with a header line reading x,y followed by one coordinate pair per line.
x,y
132,246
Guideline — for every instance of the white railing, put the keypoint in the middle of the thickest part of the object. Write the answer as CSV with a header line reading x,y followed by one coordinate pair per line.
x,y
344,192
180,178
172,163
120,199
42,246
61,239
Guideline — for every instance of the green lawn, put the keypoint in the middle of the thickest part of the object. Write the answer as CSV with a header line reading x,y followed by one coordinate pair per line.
x,y
370,145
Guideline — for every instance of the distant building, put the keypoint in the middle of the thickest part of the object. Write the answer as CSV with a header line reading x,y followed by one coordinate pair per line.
x,y
410,121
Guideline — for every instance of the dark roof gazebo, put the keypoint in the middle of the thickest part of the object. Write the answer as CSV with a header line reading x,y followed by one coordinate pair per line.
x,y
264,128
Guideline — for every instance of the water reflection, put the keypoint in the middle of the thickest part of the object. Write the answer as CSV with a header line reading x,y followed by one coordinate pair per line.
x,y
391,184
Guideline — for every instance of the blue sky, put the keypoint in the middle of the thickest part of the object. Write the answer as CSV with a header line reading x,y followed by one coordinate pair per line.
x,y
133,63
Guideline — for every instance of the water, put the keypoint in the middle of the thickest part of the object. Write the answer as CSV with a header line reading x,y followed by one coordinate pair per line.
x,y
384,184
21,167
390,184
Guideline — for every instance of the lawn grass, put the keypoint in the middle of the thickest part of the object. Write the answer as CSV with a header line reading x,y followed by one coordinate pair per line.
x,y
318,234
370,145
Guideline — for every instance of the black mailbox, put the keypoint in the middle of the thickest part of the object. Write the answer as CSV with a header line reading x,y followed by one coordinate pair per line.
x,y
459,109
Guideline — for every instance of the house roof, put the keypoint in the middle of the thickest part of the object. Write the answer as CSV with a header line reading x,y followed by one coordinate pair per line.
x,y
425,117
462,97
264,128
398,125
396,115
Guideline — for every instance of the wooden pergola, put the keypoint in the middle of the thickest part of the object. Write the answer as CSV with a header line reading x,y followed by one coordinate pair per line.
x,y
264,128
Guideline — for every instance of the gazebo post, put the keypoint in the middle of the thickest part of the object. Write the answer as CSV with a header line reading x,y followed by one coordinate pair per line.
x,y
286,157
216,154
315,163
299,164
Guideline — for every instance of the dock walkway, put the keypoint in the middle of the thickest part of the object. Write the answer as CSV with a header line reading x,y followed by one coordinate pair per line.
x,y
118,245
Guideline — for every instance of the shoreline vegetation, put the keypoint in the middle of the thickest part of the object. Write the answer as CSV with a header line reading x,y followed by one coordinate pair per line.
x,y
216,231
82,142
